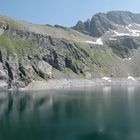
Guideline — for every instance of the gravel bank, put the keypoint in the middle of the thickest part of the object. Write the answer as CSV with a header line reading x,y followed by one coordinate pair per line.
x,y
80,83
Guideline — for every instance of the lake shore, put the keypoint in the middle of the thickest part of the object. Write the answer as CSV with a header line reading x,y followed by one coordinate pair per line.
x,y
81,83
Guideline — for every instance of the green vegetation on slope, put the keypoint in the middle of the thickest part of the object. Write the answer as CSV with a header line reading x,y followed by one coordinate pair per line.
x,y
14,45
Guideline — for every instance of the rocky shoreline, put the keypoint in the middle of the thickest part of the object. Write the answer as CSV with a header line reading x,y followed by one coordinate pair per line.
x,y
80,83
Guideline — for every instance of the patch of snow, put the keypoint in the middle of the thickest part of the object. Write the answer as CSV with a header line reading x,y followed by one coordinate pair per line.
x,y
120,34
113,39
130,25
133,32
131,78
127,59
107,79
98,42
117,25
137,24
90,42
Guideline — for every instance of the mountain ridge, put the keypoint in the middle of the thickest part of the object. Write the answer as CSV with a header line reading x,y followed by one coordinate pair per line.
x,y
102,22
31,52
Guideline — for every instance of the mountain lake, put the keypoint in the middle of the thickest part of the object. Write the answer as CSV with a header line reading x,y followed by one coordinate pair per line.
x,y
103,113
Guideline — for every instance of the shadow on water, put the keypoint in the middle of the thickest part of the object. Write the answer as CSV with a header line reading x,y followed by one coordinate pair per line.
x,y
107,113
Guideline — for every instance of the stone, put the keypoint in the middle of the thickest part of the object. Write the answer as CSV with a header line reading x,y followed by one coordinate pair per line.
x,y
3,74
45,68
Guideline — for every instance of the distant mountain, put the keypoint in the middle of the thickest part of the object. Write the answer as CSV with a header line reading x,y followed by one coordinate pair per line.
x,y
101,22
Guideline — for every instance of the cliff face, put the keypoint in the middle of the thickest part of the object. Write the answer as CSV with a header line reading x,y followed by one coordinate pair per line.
x,y
101,22
39,52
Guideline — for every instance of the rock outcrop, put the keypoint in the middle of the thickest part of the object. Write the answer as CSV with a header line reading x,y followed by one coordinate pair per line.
x,y
27,56
101,22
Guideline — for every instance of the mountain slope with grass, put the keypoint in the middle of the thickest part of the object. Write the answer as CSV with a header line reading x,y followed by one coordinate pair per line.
x,y
30,52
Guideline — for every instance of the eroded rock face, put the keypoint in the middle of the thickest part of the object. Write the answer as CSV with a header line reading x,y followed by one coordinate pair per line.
x,y
4,77
45,68
37,58
101,22
3,73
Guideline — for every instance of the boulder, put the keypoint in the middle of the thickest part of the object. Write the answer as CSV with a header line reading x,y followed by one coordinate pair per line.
x,y
45,68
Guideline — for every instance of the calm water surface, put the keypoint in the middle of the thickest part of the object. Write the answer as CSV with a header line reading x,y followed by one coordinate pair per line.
x,y
106,113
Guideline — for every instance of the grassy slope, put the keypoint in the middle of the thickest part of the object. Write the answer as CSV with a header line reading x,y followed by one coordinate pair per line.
x,y
66,33
98,60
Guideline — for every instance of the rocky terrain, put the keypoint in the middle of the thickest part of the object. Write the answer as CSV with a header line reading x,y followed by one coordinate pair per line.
x,y
108,45
102,22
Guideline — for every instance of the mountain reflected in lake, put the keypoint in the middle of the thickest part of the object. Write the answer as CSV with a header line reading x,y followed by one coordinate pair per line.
x,y
107,113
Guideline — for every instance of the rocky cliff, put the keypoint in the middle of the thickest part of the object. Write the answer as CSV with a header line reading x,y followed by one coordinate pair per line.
x,y
40,52
102,22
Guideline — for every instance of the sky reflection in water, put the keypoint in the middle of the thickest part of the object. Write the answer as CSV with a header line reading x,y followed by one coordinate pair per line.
x,y
107,113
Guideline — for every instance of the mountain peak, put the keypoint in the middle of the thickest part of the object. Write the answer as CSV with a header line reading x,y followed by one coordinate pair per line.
x,y
102,22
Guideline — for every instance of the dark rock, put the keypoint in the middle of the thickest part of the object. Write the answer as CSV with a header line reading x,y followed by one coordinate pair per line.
x,y
101,22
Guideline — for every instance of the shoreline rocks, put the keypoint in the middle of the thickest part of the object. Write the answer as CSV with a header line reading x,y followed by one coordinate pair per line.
x,y
79,83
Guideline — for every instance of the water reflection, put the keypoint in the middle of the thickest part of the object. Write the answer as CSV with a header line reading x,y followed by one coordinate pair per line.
x,y
107,113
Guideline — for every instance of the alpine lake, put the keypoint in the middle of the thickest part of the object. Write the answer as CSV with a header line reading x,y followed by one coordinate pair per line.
x,y
102,113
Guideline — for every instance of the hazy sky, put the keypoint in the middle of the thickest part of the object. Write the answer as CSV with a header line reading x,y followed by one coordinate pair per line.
x,y
62,12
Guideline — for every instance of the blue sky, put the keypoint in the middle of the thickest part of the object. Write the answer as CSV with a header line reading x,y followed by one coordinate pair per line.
x,y
62,12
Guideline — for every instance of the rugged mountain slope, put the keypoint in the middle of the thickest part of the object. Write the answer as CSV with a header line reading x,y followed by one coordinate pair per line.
x,y
40,52
120,30
101,22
